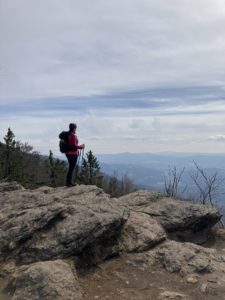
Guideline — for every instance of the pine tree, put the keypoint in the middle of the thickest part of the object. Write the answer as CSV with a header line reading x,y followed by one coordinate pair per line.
x,y
90,170
8,154
52,168
2,149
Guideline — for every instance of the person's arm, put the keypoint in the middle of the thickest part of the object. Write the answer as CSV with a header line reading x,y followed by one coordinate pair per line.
x,y
75,143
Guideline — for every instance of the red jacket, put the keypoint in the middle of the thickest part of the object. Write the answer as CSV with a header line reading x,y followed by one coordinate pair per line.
x,y
73,143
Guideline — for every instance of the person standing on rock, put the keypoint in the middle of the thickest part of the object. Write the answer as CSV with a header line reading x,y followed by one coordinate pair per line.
x,y
73,153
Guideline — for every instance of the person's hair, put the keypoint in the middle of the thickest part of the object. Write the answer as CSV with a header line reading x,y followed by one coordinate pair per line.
x,y
72,126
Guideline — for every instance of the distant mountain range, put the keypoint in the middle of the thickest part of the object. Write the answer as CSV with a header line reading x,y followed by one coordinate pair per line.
x,y
150,170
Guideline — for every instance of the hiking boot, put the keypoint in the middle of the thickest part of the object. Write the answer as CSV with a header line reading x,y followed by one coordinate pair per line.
x,y
71,185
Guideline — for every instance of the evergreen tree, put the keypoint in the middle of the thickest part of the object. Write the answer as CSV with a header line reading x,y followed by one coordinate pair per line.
x,y
57,170
60,172
2,149
22,159
90,170
52,168
19,162
8,162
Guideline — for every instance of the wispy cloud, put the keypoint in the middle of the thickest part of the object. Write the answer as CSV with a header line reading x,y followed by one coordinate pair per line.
x,y
218,138
173,100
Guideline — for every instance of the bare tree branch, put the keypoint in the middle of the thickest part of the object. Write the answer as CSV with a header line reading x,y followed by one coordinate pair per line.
x,y
172,182
207,185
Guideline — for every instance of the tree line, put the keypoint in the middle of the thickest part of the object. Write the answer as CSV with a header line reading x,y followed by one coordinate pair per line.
x,y
20,162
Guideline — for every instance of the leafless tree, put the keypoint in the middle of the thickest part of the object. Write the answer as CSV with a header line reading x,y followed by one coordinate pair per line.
x,y
127,185
207,185
118,186
172,182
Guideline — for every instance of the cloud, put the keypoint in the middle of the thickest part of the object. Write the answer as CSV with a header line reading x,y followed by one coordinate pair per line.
x,y
157,101
217,138
86,49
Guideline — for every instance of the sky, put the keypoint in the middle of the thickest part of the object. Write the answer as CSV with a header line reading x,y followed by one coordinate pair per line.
x,y
135,75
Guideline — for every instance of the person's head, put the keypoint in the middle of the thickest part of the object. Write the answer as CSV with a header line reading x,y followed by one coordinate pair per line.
x,y
72,127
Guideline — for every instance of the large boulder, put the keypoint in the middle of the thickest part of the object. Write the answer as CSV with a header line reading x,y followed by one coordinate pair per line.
x,y
171,213
50,280
140,233
19,224
48,223
186,258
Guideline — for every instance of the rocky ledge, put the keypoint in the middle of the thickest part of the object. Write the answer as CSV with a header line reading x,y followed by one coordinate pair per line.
x,y
48,234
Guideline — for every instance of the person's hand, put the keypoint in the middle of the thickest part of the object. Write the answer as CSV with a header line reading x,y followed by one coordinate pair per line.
x,y
83,146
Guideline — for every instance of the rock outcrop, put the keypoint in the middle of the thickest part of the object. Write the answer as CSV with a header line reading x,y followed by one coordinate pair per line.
x,y
49,223
44,232
172,214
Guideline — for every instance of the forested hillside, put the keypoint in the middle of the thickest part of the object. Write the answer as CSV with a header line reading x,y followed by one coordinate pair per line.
x,y
20,162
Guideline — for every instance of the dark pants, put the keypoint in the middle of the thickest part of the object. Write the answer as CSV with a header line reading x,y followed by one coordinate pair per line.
x,y
72,160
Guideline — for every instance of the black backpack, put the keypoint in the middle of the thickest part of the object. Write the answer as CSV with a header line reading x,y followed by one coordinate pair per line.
x,y
63,142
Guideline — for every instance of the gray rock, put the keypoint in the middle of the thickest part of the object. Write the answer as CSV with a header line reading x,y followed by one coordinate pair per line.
x,y
204,288
192,278
85,223
168,295
187,258
10,186
140,198
171,213
48,223
140,233
190,260
19,225
220,234
50,280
